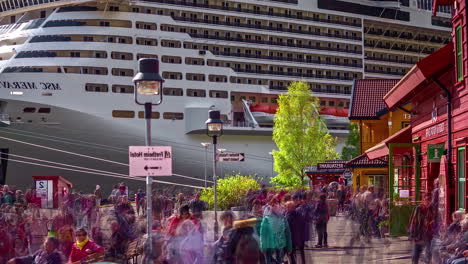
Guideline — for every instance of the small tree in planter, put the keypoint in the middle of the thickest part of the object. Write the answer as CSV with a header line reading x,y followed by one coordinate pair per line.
x,y
232,191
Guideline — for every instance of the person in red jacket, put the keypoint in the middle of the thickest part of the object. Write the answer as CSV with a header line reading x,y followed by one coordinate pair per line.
x,y
83,247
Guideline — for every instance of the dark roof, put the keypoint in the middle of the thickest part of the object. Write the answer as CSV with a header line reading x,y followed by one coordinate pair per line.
x,y
364,162
367,98
313,169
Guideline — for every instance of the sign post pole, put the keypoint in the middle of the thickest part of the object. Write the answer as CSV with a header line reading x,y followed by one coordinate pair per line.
x,y
215,188
149,180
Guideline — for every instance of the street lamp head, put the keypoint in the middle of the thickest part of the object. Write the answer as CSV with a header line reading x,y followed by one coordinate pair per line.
x,y
148,82
205,144
214,124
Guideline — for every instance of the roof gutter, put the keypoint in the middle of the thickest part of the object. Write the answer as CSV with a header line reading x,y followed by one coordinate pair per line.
x,y
449,132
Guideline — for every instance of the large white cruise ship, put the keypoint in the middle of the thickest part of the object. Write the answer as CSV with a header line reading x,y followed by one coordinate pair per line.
x,y
66,69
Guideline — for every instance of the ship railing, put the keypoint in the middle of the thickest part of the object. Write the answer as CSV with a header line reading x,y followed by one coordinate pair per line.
x,y
12,5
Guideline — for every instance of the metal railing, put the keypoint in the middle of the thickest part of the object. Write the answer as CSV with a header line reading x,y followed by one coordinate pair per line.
x,y
257,12
263,27
11,5
282,58
274,43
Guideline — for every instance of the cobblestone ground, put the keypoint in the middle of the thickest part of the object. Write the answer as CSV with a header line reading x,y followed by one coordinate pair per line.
x,y
340,232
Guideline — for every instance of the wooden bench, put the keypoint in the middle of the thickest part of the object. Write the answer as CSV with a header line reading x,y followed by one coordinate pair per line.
x,y
132,252
96,257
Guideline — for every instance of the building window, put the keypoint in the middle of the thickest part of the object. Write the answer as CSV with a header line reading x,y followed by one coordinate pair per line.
x,y
173,91
29,110
461,173
117,88
331,103
154,115
96,87
173,116
458,39
218,94
44,110
123,114
196,93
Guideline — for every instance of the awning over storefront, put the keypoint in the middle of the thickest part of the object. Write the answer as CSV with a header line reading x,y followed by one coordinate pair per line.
x,y
381,150
416,79
438,3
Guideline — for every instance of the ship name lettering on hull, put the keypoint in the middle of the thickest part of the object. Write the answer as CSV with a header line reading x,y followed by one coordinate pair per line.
x,y
30,85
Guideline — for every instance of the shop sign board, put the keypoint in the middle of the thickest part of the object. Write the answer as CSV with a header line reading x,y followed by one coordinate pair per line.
x,y
331,166
348,174
435,152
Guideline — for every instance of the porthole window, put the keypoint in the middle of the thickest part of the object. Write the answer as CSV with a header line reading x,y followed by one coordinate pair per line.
x,y
44,110
123,114
29,110
173,116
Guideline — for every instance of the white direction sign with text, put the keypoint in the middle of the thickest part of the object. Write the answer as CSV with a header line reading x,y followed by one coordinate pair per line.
x,y
150,161
225,157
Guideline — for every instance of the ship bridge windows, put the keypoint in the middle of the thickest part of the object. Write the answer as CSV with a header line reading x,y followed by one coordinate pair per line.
x,y
172,59
145,25
148,56
172,75
196,93
122,72
123,114
120,88
173,91
147,41
121,55
218,94
97,87
173,116
195,77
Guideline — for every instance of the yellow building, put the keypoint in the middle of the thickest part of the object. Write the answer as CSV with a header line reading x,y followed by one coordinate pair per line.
x,y
376,124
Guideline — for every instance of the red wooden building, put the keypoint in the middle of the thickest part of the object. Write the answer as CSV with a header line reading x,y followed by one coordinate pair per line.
x,y
437,89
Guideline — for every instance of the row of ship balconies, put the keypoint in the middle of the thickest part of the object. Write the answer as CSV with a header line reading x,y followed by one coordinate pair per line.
x,y
275,43
409,36
354,23
264,27
388,46
289,59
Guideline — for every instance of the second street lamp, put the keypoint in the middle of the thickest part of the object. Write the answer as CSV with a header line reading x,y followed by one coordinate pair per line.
x,y
148,92
214,129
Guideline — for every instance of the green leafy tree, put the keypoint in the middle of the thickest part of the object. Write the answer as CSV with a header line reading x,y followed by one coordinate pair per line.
x,y
232,191
300,134
351,148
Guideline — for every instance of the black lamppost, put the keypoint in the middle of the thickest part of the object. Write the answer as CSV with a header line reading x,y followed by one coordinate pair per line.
x,y
148,92
214,129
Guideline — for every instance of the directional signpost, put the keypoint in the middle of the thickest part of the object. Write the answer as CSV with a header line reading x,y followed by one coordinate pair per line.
x,y
150,161
227,157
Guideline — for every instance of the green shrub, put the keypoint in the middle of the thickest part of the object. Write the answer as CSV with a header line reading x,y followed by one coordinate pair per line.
x,y
232,191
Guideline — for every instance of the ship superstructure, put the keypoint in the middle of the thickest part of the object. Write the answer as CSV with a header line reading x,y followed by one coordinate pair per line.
x,y
68,66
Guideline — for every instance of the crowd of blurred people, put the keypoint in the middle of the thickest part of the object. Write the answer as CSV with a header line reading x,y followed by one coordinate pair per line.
x,y
270,227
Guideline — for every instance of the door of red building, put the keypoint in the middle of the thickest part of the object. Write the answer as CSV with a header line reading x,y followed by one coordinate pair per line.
x,y
404,185
461,178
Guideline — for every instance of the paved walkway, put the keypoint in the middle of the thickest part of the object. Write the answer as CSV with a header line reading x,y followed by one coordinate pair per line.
x,y
340,231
